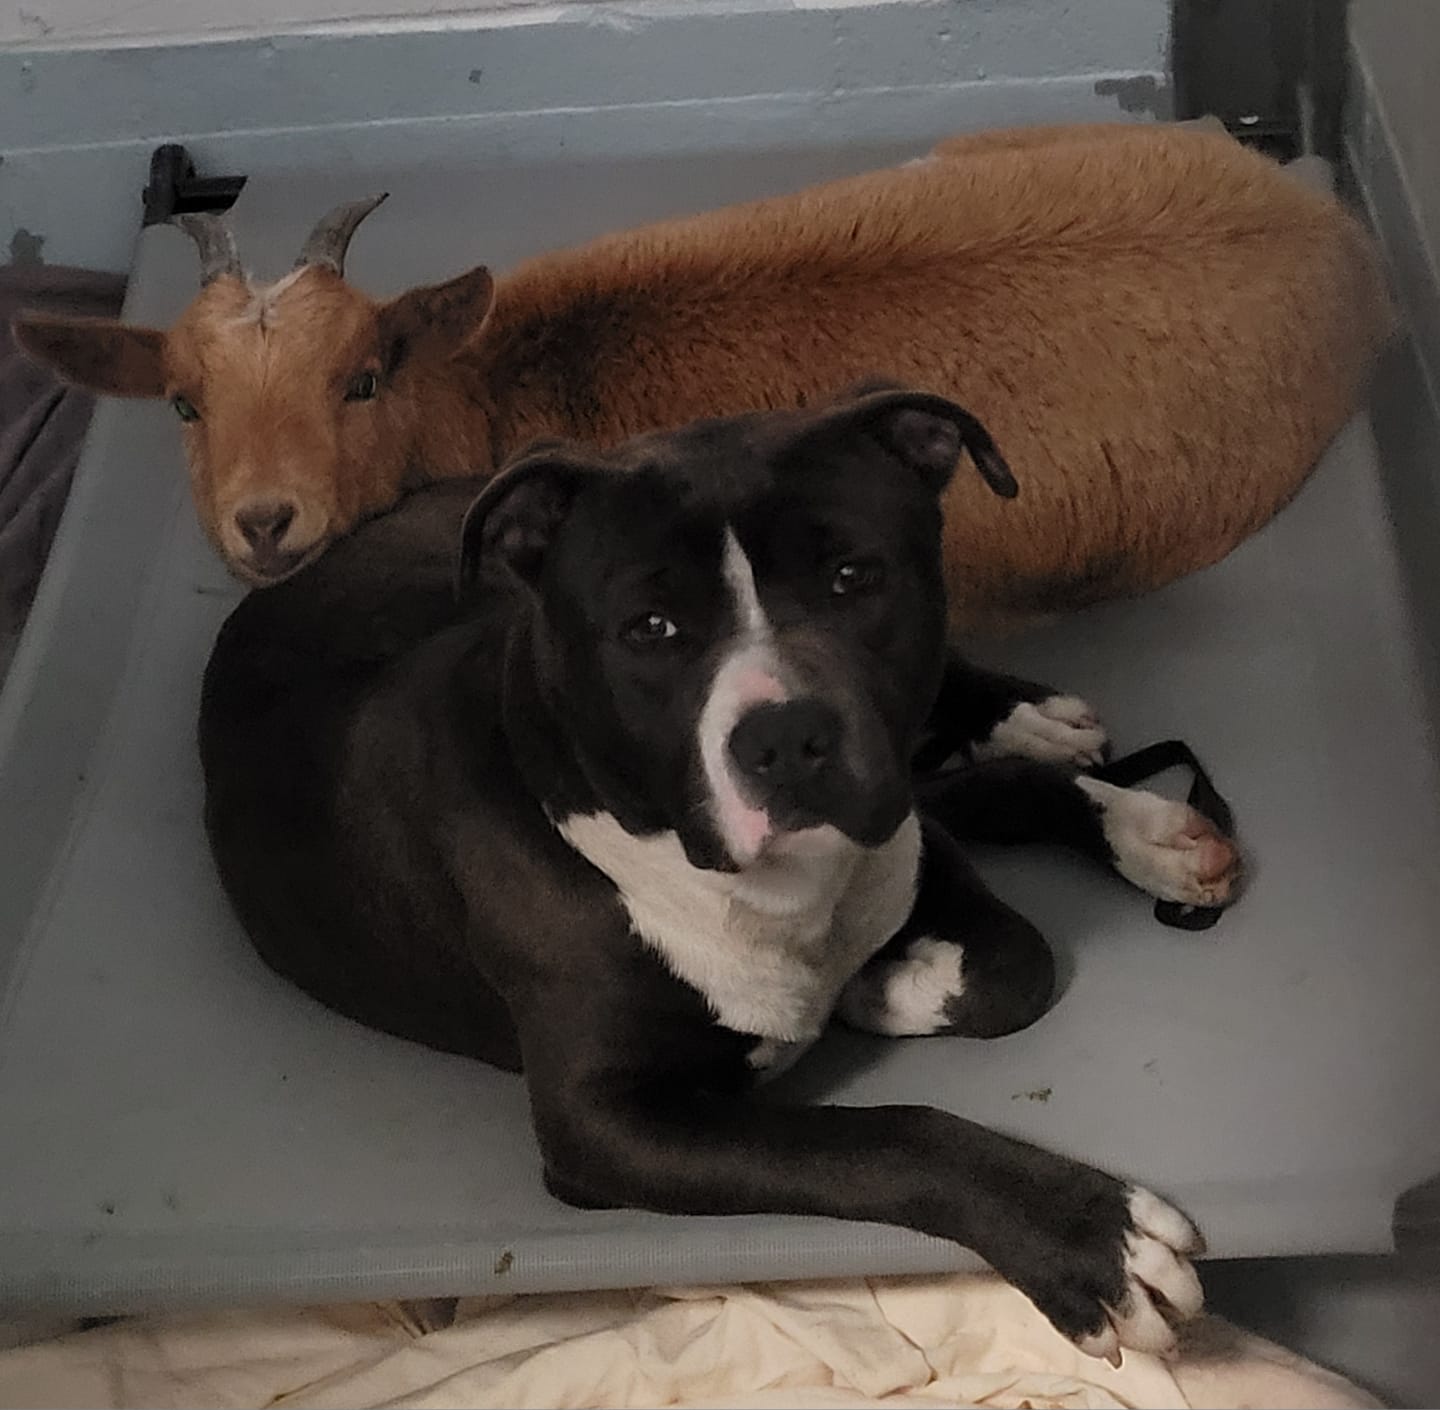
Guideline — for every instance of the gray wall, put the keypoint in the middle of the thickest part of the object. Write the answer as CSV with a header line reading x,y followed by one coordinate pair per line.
x,y
1397,43
1121,23
379,85
84,21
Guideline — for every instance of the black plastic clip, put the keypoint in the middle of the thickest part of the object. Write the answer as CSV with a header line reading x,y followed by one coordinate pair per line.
x,y
175,189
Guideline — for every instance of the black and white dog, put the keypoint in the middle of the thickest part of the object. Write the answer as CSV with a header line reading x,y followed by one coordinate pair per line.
x,y
639,818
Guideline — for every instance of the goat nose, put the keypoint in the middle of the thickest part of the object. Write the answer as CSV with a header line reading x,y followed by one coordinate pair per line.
x,y
264,522
780,745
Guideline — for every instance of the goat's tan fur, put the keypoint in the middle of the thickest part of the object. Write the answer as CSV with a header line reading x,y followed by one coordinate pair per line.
x,y
1160,328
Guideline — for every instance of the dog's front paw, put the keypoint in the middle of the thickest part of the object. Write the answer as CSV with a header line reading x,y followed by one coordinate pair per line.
x,y
1122,1276
1060,729
1165,847
1161,1287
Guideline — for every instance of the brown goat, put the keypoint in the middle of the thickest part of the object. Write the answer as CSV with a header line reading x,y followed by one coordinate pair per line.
x,y
1161,329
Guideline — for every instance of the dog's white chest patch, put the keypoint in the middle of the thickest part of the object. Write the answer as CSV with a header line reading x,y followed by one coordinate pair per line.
x,y
771,947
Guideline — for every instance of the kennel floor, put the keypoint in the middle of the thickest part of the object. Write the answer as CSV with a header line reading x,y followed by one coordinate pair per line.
x,y
178,1125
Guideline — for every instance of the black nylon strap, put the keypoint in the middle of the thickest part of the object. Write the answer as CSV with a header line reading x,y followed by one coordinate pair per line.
x,y
1204,797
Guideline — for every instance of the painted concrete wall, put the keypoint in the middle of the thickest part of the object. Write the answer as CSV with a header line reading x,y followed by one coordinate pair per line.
x,y
81,110
1127,24
1398,43
67,21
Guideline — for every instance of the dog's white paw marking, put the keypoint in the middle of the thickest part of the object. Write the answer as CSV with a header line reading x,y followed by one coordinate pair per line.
x,y
1165,847
1161,1286
908,997
1061,729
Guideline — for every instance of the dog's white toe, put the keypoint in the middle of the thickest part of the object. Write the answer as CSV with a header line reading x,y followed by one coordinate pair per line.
x,y
1165,847
1163,1222
1061,729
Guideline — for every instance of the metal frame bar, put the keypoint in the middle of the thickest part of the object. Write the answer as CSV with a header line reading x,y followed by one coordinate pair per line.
x,y
1274,71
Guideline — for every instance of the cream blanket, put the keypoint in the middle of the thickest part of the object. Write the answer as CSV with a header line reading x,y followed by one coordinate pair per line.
x,y
954,1341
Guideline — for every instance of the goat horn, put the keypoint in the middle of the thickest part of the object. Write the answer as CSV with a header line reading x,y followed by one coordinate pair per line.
x,y
216,243
330,238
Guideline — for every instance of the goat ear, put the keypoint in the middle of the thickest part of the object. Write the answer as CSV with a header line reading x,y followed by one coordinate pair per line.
x,y
97,353
927,432
451,312
514,519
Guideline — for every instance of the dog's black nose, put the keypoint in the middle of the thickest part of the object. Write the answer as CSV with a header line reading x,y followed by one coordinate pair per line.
x,y
264,523
780,747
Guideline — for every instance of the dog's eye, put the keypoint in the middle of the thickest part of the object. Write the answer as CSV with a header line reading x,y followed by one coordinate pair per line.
x,y
363,387
184,408
649,629
857,575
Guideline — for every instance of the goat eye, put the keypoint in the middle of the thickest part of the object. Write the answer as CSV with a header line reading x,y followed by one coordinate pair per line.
x,y
184,408
649,629
856,576
363,388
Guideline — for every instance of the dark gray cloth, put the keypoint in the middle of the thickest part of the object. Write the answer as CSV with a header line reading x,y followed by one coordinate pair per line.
x,y
42,427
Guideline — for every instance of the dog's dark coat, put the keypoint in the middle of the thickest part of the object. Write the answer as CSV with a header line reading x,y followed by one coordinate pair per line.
x,y
388,778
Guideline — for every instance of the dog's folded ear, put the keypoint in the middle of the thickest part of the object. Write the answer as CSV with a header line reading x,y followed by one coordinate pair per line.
x,y
514,518
927,432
